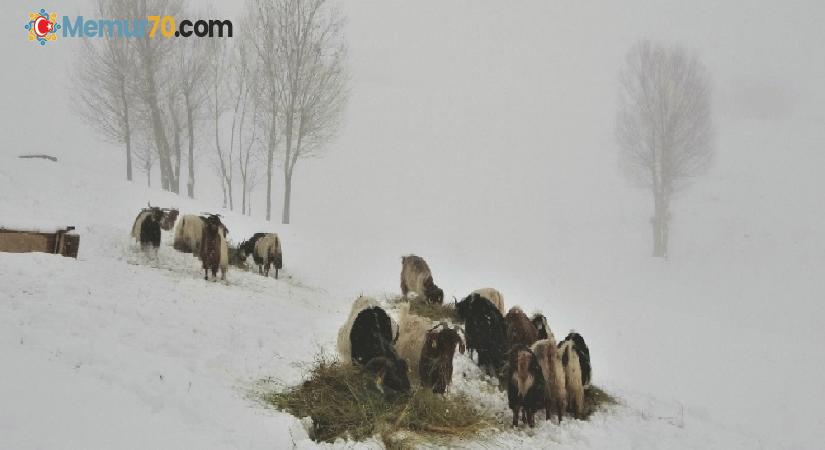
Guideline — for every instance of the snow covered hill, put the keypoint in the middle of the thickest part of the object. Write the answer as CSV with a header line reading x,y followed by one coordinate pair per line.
x,y
116,350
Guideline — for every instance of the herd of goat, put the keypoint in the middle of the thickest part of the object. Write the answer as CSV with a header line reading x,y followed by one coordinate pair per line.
x,y
522,352
205,237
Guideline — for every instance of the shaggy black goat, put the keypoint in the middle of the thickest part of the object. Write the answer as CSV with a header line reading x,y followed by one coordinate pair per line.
x,y
371,344
485,330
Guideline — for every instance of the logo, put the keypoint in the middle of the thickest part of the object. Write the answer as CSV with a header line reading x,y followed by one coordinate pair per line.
x,y
42,26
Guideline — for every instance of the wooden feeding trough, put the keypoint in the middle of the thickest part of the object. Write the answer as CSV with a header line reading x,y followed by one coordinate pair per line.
x,y
61,241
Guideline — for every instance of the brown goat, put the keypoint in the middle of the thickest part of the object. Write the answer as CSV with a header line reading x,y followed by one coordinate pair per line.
x,y
416,277
436,364
520,331
214,252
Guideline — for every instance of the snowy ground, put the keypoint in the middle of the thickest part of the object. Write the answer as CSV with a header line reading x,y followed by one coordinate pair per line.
x,y
116,350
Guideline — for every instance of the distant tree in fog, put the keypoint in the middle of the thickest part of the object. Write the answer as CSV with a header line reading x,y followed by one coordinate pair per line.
x,y
102,82
125,86
244,79
190,84
221,99
145,155
664,125
154,68
302,52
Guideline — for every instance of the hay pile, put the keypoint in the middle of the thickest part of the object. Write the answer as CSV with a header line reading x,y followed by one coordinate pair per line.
x,y
595,398
344,403
435,312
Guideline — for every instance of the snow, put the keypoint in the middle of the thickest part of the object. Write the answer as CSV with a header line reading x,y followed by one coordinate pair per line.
x,y
120,350
31,225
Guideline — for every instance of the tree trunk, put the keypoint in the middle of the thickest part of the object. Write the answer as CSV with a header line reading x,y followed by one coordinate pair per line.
x,y
270,160
243,195
162,144
659,221
176,178
289,169
127,135
287,196
229,185
190,122
223,187
128,160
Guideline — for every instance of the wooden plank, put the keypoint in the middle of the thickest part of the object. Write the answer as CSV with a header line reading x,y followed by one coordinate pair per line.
x,y
16,241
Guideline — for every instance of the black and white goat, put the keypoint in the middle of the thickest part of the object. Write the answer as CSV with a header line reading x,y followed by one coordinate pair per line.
x,y
575,357
366,339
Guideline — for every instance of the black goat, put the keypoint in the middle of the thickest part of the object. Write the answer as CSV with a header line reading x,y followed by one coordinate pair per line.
x,y
485,330
371,344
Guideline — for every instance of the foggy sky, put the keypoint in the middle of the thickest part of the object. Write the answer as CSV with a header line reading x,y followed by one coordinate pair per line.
x,y
481,134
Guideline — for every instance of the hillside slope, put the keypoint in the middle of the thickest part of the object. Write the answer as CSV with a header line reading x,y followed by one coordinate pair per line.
x,y
116,350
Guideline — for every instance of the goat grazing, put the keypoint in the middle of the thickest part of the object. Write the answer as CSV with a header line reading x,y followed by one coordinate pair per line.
x,y
416,277
372,347
188,234
412,332
268,251
360,304
485,330
436,363
247,248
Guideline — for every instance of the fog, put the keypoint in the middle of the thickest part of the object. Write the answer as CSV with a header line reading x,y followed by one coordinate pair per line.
x,y
481,135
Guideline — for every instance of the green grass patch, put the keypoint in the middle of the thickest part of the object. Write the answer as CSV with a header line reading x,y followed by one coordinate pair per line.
x,y
343,402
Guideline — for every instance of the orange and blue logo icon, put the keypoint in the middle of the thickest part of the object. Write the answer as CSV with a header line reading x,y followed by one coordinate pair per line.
x,y
42,26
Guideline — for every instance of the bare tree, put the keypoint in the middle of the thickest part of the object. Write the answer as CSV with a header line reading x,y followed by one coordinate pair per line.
x,y
230,91
102,84
191,76
218,58
269,88
153,69
145,155
302,51
244,81
664,126
173,121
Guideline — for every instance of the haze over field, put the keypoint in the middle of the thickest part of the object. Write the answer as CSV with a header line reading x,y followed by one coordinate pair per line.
x,y
481,135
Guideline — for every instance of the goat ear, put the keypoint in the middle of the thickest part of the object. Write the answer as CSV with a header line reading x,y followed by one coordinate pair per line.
x,y
461,347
